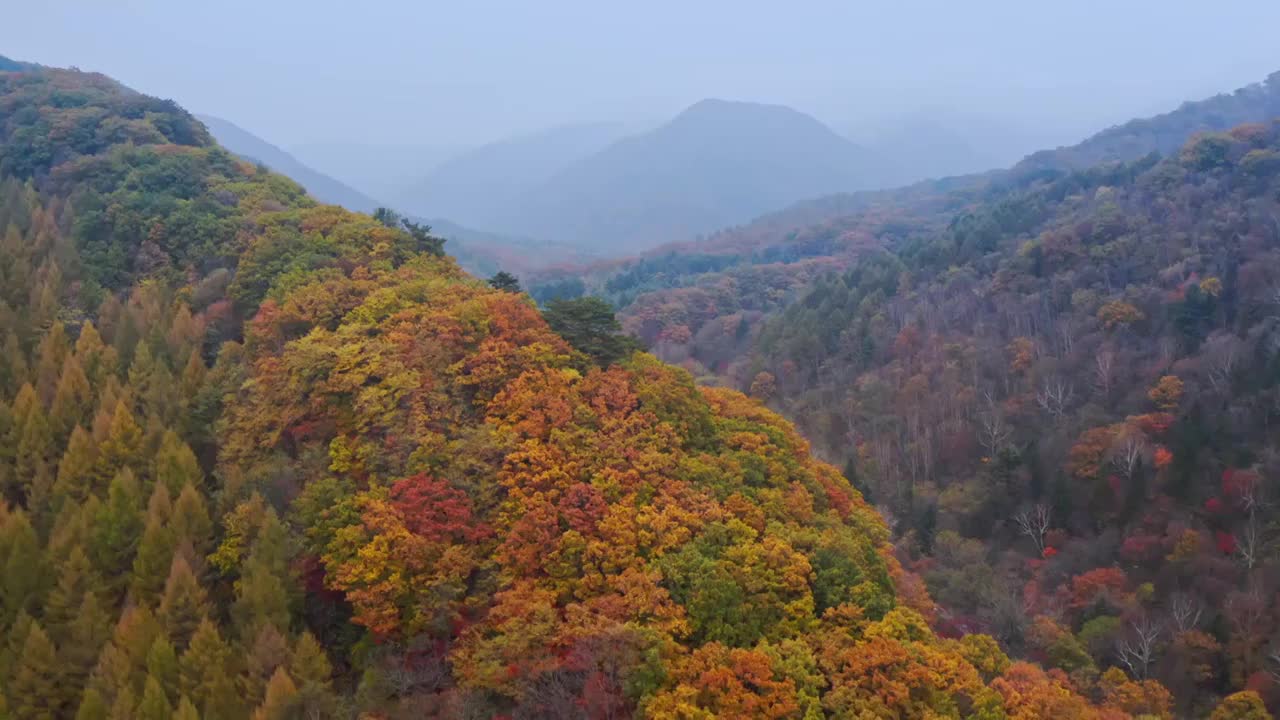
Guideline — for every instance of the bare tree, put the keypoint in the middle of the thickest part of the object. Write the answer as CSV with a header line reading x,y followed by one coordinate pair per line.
x,y
890,520
1137,650
1249,543
1252,540
1222,353
1034,523
993,432
1185,610
1054,396
1128,456
1104,372
1250,487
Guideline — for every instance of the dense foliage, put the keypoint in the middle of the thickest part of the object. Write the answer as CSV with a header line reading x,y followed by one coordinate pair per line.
x,y
700,304
1072,391
1058,383
263,458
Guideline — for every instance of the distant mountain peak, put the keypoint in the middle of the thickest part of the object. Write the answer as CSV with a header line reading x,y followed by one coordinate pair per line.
x,y
737,111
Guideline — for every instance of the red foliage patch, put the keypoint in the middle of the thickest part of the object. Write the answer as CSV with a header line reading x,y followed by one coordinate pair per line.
x,y
435,510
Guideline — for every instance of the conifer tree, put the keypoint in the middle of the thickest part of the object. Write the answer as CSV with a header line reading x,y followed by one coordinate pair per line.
x,y
33,441
312,671
224,701
261,598
175,465
190,520
153,561
14,638
184,603
72,401
92,706
162,665
116,530
281,698
96,359
134,634
74,480
13,365
153,705
110,393
269,651
88,633
262,594
205,659
23,576
8,482
112,674
125,705
121,447
185,710
75,578
50,356
191,379
34,686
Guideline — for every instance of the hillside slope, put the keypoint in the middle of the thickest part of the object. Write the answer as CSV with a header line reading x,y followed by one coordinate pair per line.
x,y
267,458
479,252
686,299
1073,387
255,149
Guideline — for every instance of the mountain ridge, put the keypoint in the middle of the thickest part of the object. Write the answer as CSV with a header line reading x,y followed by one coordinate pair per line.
x,y
714,164
254,148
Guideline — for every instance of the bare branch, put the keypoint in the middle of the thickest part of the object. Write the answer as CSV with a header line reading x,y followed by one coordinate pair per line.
x,y
1054,396
1185,610
1034,523
1138,649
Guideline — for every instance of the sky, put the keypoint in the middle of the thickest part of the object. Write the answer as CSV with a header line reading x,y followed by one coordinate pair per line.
x,y
426,73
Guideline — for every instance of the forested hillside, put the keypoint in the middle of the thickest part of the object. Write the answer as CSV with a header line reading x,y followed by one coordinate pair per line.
x,y
1067,405
698,303
1059,385
266,458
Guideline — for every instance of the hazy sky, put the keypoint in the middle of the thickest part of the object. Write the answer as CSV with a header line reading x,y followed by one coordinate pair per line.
x,y
436,73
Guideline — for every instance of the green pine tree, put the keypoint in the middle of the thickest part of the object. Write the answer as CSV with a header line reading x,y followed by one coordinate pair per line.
x,y
281,698
116,530
88,633
74,480
185,710
162,664
190,520
72,401
312,671
121,448
35,684
23,576
153,705
92,706
184,603
176,465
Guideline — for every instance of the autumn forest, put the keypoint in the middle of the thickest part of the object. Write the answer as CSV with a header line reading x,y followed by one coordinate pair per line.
x,y
1002,446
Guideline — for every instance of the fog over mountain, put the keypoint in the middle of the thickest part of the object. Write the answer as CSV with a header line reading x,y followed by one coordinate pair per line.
x,y
477,185
427,75
251,147
381,169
